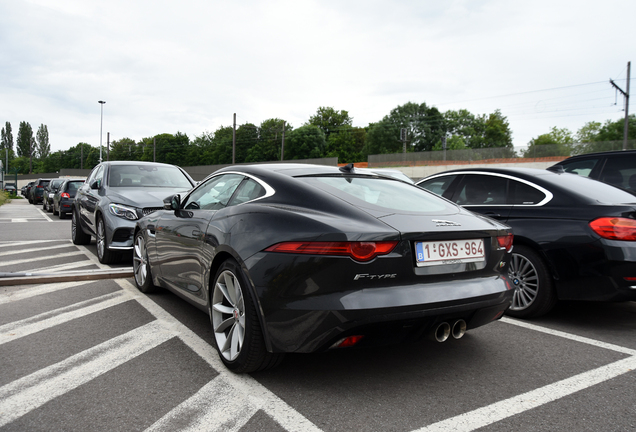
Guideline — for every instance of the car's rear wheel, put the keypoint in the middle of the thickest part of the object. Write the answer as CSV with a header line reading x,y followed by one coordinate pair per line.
x,y
141,266
534,293
55,212
237,331
78,235
104,255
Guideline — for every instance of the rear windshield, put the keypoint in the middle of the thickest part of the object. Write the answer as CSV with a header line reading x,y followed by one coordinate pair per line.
x,y
147,176
594,190
384,193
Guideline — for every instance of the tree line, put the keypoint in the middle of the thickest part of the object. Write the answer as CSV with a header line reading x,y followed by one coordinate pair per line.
x,y
327,133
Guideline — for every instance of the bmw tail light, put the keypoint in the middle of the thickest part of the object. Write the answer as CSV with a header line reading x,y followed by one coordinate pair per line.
x,y
359,251
615,228
65,195
505,242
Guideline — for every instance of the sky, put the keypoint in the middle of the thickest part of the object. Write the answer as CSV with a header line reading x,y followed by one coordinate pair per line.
x,y
187,66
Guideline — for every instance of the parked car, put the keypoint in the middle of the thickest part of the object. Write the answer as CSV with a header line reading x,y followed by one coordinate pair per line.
x,y
10,189
26,189
617,168
114,196
49,192
575,238
306,258
36,192
64,197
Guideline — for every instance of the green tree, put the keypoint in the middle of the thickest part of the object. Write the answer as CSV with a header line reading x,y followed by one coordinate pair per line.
x,y
614,130
588,132
222,146
330,120
24,140
270,141
346,144
497,133
425,126
43,146
123,149
464,129
306,142
558,142
7,137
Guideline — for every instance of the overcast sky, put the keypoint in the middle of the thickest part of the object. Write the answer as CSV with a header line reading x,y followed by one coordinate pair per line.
x,y
188,65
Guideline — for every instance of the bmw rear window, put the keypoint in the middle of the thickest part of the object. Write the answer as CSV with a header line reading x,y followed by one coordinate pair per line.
x,y
384,193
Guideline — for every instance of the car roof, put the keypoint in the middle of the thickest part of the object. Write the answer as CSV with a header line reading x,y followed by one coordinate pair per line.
x,y
612,153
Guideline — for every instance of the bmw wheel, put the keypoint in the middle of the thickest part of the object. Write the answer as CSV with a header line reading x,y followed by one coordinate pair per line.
x,y
141,266
533,287
237,330
105,255
78,235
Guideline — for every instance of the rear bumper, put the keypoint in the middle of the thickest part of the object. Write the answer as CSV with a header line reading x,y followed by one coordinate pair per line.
x,y
384,316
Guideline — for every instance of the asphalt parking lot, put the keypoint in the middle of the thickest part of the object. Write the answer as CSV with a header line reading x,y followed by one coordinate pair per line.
x,y
99,355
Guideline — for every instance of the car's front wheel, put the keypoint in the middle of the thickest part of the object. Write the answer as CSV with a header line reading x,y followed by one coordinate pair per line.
x,y
104,255
78,235
534,293
141,266
237,331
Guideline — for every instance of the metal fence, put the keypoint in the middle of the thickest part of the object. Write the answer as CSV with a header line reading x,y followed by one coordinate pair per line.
x,y
554,152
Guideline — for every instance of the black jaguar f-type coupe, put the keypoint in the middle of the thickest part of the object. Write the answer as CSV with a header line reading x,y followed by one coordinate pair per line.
x,y
305,258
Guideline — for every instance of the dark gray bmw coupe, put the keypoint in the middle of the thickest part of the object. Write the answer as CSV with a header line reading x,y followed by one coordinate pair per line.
x,y
306,258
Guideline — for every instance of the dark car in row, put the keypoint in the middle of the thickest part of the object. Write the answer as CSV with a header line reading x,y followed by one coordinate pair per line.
x,y
114,196
617,168
49,192
305,258
64,197
574,237
35,194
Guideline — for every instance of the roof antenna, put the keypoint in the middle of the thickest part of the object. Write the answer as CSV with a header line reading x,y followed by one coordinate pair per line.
x,y
347,168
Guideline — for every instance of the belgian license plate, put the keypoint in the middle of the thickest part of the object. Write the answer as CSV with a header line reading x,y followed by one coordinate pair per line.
x,y
449,252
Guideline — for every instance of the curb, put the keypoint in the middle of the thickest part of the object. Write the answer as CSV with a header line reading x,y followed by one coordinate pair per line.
x,y
44,278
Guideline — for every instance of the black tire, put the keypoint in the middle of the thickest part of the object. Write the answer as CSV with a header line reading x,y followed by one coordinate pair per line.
x,y
534,288
62,215
56,213
104,255
141,266
238,336
78,235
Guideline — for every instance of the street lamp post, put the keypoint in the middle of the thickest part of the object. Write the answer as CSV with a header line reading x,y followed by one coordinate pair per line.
x,y
101,121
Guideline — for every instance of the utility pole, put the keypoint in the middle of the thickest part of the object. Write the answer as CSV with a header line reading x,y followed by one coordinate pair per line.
x,y
626,95
282,146
234,140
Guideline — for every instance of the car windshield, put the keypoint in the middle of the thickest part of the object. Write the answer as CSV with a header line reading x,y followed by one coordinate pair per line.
x,y
387,194
136,176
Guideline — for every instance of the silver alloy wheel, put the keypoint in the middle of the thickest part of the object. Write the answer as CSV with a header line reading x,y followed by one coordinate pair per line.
x,y
101,239
525,279
228,315
140,265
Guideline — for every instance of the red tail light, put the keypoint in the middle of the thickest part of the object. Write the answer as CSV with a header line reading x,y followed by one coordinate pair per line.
x,y
347,342
505,242
359,251
615,228
65,195
40,187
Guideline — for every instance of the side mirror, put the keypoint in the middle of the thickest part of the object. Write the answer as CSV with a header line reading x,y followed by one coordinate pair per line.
x,y
173,202
95,184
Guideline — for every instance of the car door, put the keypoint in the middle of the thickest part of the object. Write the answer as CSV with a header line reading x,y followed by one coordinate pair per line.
x,y
88,198
179,235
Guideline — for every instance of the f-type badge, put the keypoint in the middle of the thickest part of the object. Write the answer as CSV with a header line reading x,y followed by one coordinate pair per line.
x,y
445,223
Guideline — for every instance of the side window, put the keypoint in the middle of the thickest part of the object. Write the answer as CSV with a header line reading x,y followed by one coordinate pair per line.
x,y
581,167
215,193
438,185
248,191
482,189
620,171
521,193
96,174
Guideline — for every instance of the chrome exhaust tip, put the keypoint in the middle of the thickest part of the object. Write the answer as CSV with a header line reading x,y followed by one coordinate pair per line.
x,y
459,329
442,331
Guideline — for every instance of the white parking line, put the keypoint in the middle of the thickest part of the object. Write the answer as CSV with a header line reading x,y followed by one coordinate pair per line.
x,y
22,243
260,396
39,290
26,260
17,329
22,251
507,408
26,394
